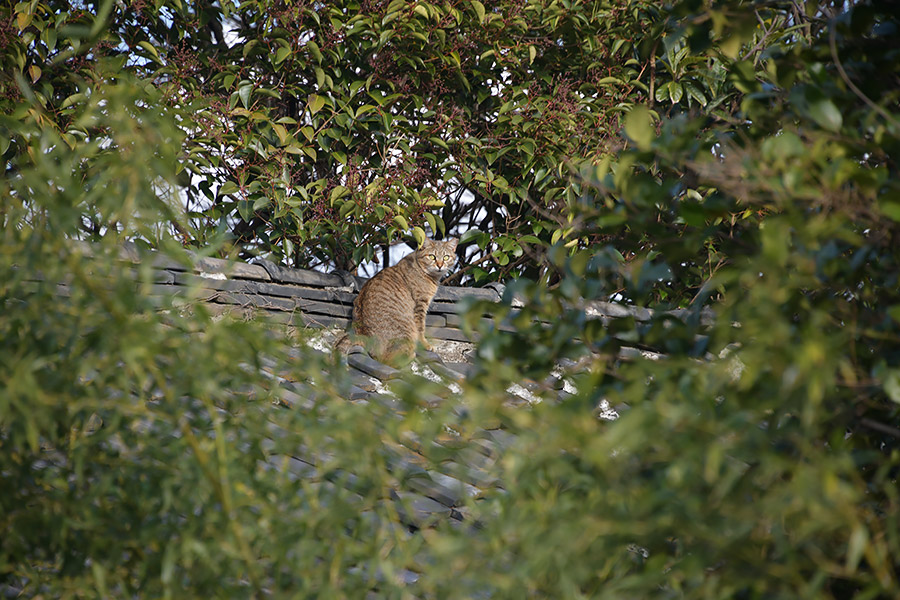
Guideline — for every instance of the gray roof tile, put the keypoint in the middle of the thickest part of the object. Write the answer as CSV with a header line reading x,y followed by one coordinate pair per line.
x,y
372,367
420,510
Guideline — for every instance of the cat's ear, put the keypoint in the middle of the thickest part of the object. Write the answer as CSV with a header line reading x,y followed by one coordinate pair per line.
x,y
452,242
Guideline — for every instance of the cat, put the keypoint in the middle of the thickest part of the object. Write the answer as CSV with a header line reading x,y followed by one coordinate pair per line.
x,y
391,307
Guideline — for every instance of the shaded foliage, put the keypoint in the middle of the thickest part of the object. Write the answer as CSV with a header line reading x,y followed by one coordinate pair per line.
x,y
768,467
316,132
755,174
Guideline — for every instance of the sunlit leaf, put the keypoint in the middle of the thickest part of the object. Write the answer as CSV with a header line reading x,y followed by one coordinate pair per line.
x,y
826,114
638,126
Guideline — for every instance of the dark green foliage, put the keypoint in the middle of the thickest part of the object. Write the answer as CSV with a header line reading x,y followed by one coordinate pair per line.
x,y
316,132
754,174
768,468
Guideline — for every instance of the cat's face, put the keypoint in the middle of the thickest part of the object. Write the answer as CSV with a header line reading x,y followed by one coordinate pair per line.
x,y
437,258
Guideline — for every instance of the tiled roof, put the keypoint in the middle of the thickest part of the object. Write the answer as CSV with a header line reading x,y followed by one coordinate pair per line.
x,y
321,301
304,298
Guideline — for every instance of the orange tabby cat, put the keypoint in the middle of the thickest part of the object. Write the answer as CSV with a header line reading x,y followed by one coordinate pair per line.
x,y
391,307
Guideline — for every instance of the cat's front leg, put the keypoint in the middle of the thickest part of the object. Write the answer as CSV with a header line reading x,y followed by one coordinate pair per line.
x,y
425,343
421,311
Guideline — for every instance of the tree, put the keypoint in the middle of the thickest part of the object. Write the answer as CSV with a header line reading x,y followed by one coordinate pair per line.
x,y
734,157
760,461
317,132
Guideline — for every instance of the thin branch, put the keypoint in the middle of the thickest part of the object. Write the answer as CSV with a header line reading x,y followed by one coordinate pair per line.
x,y
462,271
877,426
652,73
509,268
762,41
851,85
545,214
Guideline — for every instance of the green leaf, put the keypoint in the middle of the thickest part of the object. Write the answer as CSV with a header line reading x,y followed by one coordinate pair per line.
x,y
229,187
783,146
282,54
471,234
439,142
662,92
23,19
675,92
315,103
890,208
431,222
694,92
894,312
419,234
856,546
281,132
479,10
313,48
245,210
401,222
99,574
639,127
151,50
826,114
892,384
73,99
339,191
527,146
244,94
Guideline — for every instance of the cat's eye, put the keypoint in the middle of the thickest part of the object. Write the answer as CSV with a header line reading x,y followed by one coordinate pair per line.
x,y
432,256
446,257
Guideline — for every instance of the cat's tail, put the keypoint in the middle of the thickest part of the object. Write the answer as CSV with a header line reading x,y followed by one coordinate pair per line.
x,y
348,339
343,343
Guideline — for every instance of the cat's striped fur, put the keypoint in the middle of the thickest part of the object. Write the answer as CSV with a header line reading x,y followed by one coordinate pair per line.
x,y
391,307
